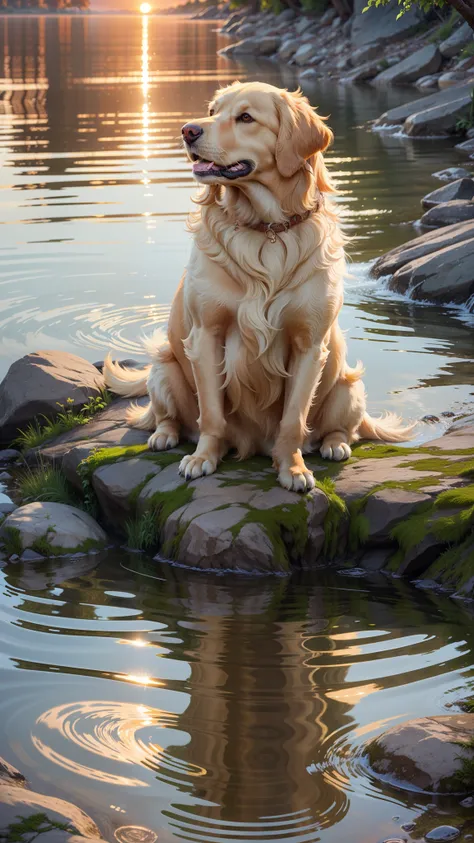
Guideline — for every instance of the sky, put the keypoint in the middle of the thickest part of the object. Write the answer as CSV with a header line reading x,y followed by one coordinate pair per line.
x,y
129,5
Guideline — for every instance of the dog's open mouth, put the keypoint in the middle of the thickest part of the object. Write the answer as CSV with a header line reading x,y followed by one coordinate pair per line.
x,y
201,168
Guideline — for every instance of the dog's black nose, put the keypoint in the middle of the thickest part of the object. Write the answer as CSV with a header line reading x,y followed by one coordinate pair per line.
x,y
191,133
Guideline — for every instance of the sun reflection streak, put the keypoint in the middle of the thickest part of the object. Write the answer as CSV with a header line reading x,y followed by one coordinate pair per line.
x,y
145,86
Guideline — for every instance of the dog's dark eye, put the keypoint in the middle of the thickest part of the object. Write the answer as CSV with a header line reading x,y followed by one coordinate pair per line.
x,y
245,118
211,112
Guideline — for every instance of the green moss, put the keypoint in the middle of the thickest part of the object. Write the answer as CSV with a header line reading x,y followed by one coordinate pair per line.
x,y
465,775
163,504
43,546
285,525
454,567
335,516
35,824
444,466
11,538
135,494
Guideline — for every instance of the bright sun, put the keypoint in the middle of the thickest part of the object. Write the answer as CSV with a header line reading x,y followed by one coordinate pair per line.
x,y
145,8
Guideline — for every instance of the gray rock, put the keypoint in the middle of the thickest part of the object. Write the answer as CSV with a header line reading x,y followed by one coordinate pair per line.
x,y
461,189
9,455
443,834
386,508
5,476
168,480
269,45
6,504
208,538
447,213
9,772
29,555
64,527
309,73
362,73
466,146
427,82
451,79
424,61
456,42
445,276
287,16
302,25
328,17
452,174
73,458
382,24
288,48
398,115
305,53
38,382
248,46
424,753
367,54
438,121
115,483
428,243
376,559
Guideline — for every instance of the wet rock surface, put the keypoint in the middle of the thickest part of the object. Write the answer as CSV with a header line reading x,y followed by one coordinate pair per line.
x,y
427,754
52,527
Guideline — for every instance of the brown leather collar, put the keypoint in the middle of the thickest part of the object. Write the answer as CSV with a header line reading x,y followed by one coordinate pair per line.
x,y
271,229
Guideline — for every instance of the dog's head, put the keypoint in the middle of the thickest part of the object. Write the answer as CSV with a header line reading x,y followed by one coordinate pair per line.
x,y
253,130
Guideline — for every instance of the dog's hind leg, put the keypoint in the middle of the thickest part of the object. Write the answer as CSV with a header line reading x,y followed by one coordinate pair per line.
x,y
172,403
339,418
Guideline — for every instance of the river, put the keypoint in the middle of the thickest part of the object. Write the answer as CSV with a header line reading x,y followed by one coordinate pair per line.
x,y
172,706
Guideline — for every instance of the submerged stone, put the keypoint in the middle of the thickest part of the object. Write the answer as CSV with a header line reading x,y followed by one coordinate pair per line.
x,y
443,834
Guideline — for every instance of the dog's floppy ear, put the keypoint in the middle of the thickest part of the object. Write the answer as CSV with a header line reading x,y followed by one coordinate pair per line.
x,y
302,133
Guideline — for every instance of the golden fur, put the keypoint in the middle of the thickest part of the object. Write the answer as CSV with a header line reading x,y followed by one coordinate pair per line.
x,y
255,359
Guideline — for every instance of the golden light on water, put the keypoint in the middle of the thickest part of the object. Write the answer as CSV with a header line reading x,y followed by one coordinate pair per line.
x,y
146,8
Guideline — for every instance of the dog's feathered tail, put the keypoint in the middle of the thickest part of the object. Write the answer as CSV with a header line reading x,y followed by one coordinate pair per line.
x,y
388,428
131,383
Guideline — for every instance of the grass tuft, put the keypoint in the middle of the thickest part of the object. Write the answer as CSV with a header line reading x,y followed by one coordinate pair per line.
x,y
43,429
142,531
45,483
11,538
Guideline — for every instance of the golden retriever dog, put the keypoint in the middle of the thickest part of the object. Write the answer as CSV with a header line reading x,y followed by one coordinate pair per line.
x,y
255,359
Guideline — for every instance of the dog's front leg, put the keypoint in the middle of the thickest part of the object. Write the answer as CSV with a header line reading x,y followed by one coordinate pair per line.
x,y
306,367
204,349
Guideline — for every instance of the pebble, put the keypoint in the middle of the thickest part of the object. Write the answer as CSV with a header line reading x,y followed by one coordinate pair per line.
x,y
430,419
395,840
14,557
408,827
448,415
4,475
443,834
467,803
352,572
9,455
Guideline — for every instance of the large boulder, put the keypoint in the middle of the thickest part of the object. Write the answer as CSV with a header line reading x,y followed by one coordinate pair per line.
x,y
424,61
456,42
426,754
386,508
460,189
427,244
288,48
383,23
445,276
38,382
447,213
269,45
440,119
52,529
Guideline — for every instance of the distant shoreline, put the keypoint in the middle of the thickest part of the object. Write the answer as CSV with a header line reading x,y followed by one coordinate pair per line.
x,y
86,13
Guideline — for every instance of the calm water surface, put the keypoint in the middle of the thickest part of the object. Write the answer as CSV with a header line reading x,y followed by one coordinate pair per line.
x,y
209,708
201,708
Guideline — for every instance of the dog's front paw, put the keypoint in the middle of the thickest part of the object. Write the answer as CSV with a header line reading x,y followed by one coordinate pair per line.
x,y
162,441
193,466
296,479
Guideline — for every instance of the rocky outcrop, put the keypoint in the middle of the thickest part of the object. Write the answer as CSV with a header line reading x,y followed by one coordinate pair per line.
x,y
37,383
448,213
461,189
428,754
456,42
51,529
420,116
382,24
452,174
427,244
424,61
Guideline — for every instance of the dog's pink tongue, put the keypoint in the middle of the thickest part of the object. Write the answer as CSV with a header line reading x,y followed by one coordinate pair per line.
x,y
203,166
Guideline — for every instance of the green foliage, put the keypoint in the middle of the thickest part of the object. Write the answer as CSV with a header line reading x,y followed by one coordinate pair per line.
x,y
465,776
405,5
335,515
43,429
11,538
468,51
35,824
45,483
142,531
446,29
466,123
